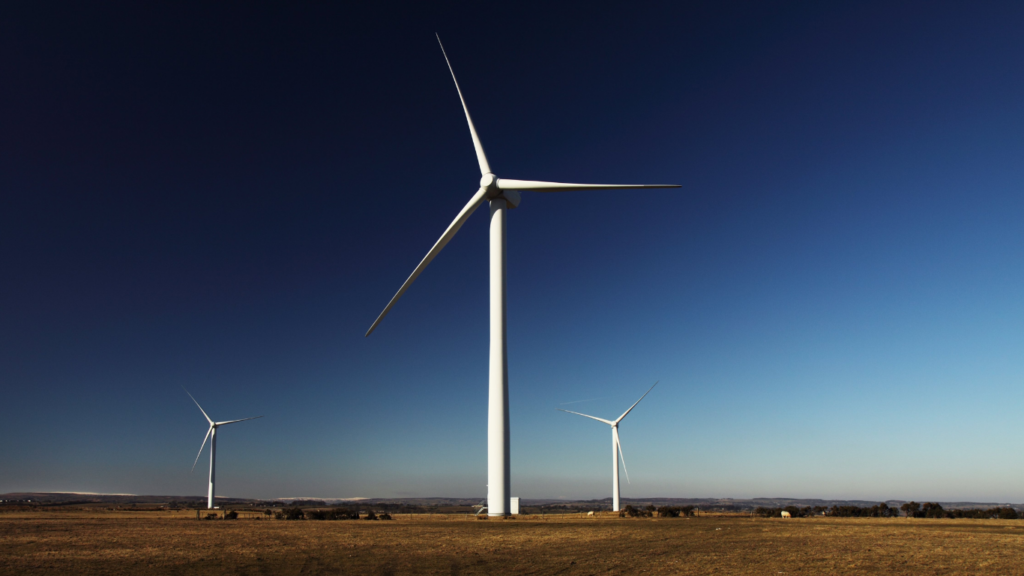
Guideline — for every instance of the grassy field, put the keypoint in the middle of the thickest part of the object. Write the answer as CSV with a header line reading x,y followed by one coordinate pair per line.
x,y
175,543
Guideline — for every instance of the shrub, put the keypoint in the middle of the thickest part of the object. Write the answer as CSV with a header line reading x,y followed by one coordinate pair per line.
x,y
316,514
882,510
911,509
370,515
292,513
668,512
231,515
991,513
342,514
877,511
332,514
385,516
632,512
932,510
628,510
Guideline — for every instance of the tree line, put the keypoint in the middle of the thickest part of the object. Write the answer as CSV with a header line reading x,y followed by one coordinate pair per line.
x,y
883,510
296,513
676,511
934,510
663,512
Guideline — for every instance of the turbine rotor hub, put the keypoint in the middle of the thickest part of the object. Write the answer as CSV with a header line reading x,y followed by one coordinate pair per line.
x,y
489,181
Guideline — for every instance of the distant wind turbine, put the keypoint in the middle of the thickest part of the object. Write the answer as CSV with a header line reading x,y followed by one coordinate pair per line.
x,y
616,447
501,194
211,435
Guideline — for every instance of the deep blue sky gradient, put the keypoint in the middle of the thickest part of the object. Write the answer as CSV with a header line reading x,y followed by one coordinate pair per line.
x,y
225,197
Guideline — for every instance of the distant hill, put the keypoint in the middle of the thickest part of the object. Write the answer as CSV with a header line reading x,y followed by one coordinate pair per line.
x,y
725,504
93,499
750,503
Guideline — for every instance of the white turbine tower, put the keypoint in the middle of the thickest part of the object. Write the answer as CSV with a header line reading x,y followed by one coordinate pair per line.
x,y
616,447
501,194
211,435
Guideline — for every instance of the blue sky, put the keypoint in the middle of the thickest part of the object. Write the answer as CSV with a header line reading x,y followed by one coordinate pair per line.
x,y
224,198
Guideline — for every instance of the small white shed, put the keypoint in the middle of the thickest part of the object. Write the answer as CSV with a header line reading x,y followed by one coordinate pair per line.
x,y
513,505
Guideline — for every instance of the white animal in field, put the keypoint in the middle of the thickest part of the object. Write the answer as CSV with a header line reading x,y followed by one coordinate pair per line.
x,y
786,514
591,513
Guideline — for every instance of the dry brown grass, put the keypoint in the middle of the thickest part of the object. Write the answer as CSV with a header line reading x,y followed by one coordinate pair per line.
x,y
168,543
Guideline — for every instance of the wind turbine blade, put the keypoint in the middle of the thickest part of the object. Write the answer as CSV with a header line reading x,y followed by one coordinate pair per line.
x,y
538,186
197,404
588,416
242,420
622,457
635,403
466,212
207,437
485,168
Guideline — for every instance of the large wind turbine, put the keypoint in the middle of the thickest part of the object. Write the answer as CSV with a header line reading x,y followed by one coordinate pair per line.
x,y
211,435
501,194
616,447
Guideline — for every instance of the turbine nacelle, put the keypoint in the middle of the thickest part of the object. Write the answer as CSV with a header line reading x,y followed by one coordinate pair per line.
x,y
494,190
511,197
